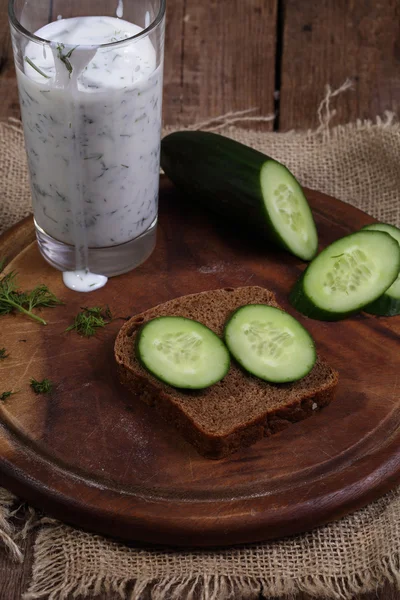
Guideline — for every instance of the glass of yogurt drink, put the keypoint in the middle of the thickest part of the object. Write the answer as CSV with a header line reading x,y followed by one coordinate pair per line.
x,y
90,87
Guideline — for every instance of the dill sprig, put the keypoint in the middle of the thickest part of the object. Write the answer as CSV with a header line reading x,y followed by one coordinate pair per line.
x,y
12,299
65,57
41,387
5,395
32,64
2,263
3,353
89,320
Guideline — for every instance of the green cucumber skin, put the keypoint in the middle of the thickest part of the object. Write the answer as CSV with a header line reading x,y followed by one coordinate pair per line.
x,y
229,183
300,300
146,368
385,306
239,362
372,227
138,356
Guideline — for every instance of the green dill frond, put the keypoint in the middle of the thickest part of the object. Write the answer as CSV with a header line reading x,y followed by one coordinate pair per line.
x,y
65,57
41,387
11,299
90,319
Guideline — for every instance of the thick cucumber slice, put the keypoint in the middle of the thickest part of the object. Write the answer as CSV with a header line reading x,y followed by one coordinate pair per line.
x,y
349,274
269,343
182,352
243,185
389,303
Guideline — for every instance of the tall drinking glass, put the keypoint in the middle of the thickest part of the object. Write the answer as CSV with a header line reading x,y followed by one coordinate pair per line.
x,y
90,84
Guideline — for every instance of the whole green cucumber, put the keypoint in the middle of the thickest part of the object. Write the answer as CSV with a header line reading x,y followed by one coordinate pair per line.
x,y
243,185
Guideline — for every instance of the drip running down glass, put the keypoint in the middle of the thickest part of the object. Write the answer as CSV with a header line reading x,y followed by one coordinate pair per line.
x,y
90,91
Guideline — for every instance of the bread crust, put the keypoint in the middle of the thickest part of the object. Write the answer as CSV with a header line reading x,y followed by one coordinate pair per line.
x,y
241,409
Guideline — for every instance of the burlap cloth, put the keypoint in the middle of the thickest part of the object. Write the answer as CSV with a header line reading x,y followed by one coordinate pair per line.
x,y
360,164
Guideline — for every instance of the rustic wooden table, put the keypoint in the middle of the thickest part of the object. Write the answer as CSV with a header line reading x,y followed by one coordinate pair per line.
x,y
271,55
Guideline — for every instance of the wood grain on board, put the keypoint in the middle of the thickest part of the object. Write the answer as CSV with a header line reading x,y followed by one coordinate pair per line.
x,y
63,452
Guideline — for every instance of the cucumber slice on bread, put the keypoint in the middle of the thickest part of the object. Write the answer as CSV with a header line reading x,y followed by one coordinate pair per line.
x,y
243,185
236,412
270,343
349,274
182,352
388,304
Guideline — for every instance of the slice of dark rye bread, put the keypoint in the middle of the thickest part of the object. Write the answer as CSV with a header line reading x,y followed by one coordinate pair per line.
x,y
240,409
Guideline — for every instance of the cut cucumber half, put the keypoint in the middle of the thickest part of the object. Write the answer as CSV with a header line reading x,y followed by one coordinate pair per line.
x,y
243,185
388,304
346,276
182,352
288,210
269,343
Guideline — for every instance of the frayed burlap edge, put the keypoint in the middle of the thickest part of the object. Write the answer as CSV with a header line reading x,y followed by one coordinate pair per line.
x,y
355,555
230,122
50,583
13,511
7,531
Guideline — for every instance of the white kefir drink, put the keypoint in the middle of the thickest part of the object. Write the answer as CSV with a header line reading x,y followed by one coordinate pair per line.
x,y
92,122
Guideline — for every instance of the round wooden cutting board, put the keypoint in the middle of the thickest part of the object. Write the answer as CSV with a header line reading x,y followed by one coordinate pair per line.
x,y
92,455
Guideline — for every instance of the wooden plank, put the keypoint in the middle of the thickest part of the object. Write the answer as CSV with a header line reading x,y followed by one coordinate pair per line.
x,y
329,41
228,58
387,592
9,106
15,576
173,61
